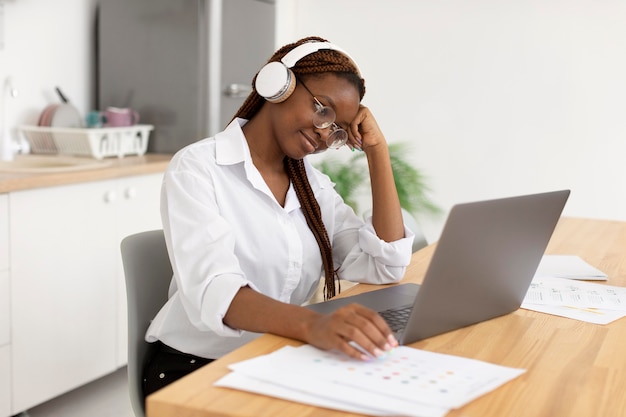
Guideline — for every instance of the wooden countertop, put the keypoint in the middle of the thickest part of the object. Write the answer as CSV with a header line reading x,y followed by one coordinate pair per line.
x,y
574,369
118,167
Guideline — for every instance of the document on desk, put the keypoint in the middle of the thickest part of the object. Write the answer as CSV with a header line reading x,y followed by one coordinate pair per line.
x,y
586,301
568,266
407,381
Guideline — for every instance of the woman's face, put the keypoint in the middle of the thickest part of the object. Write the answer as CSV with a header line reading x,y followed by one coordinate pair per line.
x,y
293,119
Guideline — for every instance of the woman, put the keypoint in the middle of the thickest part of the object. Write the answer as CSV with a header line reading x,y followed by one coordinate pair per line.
x,y
251,226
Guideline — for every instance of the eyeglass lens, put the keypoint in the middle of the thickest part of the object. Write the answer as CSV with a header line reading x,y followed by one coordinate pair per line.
x,y
323,118
337,138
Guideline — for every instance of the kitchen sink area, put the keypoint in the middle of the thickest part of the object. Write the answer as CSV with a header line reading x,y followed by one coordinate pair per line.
x,y
39,164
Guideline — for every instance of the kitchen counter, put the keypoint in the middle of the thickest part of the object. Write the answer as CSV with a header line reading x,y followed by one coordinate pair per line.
x,y
119,167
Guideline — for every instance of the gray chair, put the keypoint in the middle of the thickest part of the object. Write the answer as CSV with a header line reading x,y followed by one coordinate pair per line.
x,y
420,240
148,274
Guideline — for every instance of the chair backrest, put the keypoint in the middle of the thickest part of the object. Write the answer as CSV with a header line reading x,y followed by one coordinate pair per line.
x,y
148,273
420,240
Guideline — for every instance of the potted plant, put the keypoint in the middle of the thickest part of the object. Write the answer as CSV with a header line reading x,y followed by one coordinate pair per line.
x,y
351,175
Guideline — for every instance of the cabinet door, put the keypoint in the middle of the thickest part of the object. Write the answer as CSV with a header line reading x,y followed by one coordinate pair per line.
x,y
4,232
4,271
5,359
138,210
5,310
64,289
5,381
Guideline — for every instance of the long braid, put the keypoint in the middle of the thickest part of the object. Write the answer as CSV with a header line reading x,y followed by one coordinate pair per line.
x,y
316,63
313,214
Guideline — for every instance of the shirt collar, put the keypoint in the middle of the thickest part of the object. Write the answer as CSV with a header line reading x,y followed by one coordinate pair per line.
x,y
230,144
231,148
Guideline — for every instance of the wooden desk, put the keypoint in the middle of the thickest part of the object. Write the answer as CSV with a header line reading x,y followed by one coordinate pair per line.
x,y
573,368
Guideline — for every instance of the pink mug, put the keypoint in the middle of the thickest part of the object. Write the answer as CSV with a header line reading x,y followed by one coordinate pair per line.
x,y
117,117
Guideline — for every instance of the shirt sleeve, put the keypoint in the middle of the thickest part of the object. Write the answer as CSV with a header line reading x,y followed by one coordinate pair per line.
x,y
372,260
360,254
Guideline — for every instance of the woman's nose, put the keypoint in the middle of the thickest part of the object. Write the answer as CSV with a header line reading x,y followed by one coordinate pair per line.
x,y
323,132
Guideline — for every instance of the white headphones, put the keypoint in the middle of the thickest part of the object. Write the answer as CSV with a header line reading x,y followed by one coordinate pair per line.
x,y
275,81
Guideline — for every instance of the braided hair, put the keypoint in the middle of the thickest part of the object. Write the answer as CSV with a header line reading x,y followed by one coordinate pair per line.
x,y
317,63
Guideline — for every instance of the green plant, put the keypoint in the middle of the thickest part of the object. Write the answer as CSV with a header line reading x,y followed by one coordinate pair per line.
x,y
349,176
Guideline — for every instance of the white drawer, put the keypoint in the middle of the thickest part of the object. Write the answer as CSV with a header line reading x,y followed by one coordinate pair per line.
x,y
5,311
5,381
4,232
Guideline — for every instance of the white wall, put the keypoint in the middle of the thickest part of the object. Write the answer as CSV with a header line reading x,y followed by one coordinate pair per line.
x,y
498,97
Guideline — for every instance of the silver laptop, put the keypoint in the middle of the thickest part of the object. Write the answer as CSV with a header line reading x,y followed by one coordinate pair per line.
x,y
483,264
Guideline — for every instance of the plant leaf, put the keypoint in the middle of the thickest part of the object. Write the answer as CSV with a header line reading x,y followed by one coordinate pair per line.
x,y
411,184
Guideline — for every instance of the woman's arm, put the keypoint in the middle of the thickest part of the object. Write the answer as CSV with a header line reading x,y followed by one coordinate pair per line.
x,y
255,312
386,213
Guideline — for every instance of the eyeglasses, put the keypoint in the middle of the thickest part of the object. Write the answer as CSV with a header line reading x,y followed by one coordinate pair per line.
x,y
323,118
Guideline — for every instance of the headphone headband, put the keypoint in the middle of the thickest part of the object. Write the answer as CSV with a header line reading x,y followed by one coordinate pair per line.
x,y
300,51
275,81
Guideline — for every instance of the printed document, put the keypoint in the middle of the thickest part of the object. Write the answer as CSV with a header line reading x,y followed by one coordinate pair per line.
x,y
408,381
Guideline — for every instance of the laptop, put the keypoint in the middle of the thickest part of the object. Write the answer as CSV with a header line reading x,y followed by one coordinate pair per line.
x,y
481,268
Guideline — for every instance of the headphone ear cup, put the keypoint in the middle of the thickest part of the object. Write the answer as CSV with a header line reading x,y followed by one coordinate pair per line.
x,y
289,86
275,82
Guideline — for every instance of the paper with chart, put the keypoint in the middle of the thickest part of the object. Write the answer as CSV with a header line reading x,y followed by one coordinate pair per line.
x,y
586,301
407,382
331,396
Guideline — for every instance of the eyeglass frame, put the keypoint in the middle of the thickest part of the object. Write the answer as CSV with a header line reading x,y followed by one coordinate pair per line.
x,y
334,126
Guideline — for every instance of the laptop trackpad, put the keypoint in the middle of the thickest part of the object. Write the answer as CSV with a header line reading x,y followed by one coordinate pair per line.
x,y
377,300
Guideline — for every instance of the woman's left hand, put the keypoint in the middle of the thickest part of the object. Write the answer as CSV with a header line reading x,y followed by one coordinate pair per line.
x,y
386,213
364,131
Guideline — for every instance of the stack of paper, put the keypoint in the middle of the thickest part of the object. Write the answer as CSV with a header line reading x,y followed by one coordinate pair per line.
x,y
585,301
554,291
407,381
568,266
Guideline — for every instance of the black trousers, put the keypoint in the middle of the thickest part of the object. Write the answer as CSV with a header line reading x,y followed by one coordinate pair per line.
x,y
166,365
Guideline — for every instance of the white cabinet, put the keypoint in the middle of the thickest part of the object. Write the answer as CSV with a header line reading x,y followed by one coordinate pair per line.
x,y
4,232
5,348
5,381
5,310
67,286
4,271
5,330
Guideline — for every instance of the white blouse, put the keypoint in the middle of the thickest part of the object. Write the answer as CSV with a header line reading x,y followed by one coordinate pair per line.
x,y
225,230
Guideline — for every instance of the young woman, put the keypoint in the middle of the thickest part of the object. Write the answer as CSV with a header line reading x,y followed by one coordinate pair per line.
x,y
251,226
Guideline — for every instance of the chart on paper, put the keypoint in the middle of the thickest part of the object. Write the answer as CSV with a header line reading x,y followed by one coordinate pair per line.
x,y
405,373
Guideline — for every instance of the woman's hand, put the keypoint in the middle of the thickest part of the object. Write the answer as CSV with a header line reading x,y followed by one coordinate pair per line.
x,y
364,131
345,329
349,328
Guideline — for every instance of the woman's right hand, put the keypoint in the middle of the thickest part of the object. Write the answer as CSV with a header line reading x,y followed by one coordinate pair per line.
x,y
349,326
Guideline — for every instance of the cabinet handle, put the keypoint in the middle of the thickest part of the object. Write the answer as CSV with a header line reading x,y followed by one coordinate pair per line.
x,y
130,192
110,197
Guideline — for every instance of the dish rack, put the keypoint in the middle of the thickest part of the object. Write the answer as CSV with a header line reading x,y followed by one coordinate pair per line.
x,y
95,142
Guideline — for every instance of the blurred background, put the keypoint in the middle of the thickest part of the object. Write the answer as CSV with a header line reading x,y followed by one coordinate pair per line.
x,y
493,98
496,98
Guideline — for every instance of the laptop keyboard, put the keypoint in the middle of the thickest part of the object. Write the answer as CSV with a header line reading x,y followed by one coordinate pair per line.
x,y
396,318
